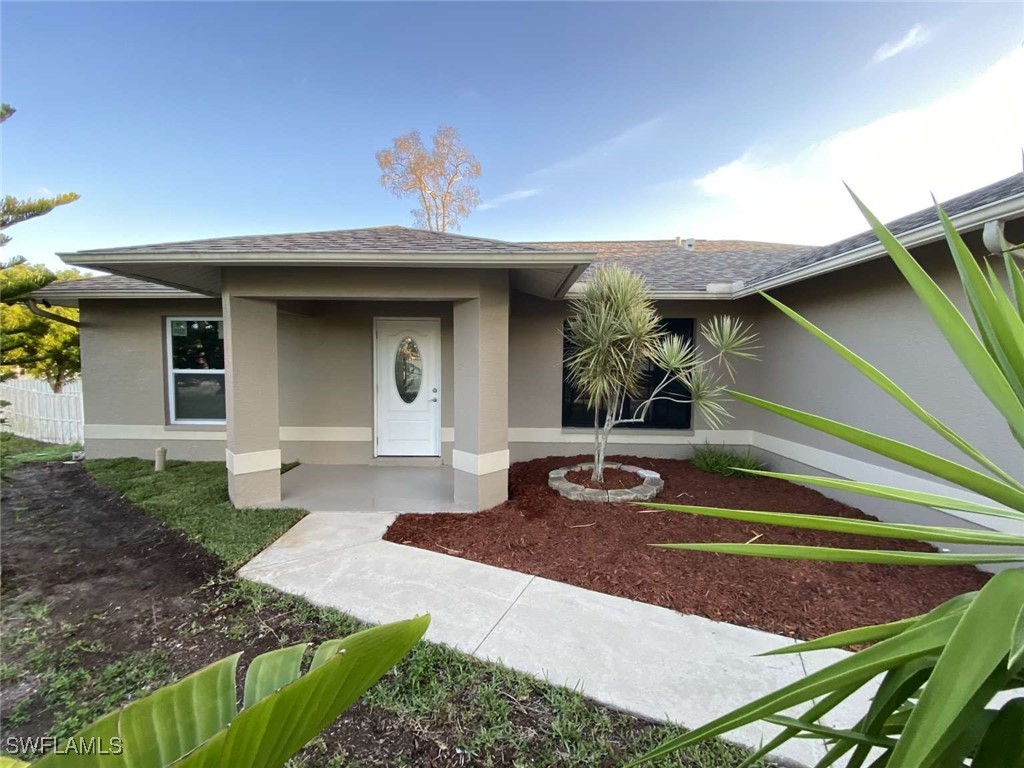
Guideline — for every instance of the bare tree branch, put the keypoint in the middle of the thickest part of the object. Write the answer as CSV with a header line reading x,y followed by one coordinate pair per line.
x,y
438,179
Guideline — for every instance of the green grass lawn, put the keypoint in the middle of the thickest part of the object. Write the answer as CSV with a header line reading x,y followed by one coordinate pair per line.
x,y
16,450
193,497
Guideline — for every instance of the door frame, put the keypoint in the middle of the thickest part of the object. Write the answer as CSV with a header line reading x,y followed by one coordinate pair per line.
x,y
435,321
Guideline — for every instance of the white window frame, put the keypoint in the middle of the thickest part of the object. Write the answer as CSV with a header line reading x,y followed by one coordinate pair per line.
x,y
171,370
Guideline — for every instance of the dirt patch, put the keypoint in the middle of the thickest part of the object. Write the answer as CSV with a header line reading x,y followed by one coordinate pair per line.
x,y
613,478
66,540
606,547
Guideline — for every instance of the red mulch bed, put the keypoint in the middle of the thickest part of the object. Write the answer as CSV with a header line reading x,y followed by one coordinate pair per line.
x,y
613,478
604,547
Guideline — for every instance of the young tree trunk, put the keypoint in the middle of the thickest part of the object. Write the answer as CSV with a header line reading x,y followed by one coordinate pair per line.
x,y
601,448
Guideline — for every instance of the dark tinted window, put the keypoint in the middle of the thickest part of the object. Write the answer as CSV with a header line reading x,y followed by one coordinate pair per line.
x,y
197,345
662,414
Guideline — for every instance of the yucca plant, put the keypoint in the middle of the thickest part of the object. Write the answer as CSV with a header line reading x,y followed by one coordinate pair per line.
x,y
615,335
939,671
196,721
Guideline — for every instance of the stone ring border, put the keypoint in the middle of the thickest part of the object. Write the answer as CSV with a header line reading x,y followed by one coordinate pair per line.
x,y
647,490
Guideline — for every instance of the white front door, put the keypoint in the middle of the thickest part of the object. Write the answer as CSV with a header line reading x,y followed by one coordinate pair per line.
x,y
407,377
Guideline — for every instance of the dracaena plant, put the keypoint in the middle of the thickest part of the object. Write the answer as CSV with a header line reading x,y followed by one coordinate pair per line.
x,y
196,723
938,673
615,337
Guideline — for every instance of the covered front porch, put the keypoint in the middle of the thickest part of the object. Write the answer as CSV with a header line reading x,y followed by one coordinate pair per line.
x,y
327,348
363,381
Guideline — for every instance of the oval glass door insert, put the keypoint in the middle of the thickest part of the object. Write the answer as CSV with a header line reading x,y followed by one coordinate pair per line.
x,y
408,369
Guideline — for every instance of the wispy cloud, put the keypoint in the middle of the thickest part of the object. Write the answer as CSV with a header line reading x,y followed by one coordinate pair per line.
x,y
915,37
603,149
892,163
508,197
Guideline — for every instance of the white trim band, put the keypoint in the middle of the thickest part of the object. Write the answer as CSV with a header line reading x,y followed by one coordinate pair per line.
x,y
327,434
150,432
253,461
630,436
480,463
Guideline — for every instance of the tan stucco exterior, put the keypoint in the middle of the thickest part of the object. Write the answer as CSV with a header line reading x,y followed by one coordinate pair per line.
x,y
302,354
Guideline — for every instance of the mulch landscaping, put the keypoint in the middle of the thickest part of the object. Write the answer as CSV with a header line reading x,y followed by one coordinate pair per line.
x,y
613,478
606,547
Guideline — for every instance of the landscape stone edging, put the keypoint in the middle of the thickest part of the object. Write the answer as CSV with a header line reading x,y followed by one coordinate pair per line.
x,y
647,490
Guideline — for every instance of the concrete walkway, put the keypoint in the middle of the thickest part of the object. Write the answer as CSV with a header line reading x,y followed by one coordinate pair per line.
x,y
632,656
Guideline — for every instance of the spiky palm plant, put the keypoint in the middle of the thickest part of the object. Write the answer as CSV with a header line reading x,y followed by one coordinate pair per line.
x,y
939,672
615,334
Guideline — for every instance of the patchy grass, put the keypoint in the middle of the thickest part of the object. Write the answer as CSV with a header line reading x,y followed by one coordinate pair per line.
x,y
477,713
439,707
74,678
193,497
722,461
15,450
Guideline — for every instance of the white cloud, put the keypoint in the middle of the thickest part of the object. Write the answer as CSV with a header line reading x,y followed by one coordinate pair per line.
x,y
960,142
508,197
603,149
915,37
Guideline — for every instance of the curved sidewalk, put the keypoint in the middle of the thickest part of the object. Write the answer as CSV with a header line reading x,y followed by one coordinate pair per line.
x,y
632,656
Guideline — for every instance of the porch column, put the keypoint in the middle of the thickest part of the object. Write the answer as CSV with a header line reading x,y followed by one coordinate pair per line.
x,y
254,451
480,456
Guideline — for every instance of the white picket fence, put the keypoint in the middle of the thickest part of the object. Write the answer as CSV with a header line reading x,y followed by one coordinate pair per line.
x,y
36,411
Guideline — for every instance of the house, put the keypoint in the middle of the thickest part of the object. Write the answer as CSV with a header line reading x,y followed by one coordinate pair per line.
x,y
345,347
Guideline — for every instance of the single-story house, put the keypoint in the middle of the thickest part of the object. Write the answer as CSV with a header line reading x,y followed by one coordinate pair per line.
x,y
345,347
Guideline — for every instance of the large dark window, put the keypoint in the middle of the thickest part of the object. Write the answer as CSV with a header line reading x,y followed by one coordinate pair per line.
x,y
662,414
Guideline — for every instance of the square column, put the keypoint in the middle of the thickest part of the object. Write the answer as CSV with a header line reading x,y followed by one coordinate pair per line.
x,y
480,457
254,450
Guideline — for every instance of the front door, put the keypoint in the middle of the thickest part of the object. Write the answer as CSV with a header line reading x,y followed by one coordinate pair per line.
x,y
407,381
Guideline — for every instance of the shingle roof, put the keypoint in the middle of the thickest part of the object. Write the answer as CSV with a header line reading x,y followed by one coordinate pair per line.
x,y
668,266
390,239
106,284
1001,190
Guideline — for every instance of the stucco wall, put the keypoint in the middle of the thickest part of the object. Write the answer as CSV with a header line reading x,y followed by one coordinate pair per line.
x,y
124,381
326,374
872,310
325,378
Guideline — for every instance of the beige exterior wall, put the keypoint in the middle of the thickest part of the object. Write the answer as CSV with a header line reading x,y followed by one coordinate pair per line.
x,y
326,368
124,381
872,310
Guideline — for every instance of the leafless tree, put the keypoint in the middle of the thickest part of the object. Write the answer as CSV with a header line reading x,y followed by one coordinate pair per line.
x,y
438,179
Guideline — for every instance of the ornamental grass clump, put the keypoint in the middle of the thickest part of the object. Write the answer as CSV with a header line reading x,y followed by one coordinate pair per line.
x,y
717,460
616,339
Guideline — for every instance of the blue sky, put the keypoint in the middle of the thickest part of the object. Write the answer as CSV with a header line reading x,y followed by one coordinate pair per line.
x,y
592,121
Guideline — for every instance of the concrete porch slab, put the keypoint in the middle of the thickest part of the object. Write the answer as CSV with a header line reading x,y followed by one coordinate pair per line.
x,y
354,488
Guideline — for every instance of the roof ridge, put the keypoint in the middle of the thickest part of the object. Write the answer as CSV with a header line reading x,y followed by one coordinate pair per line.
x,y
673,240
